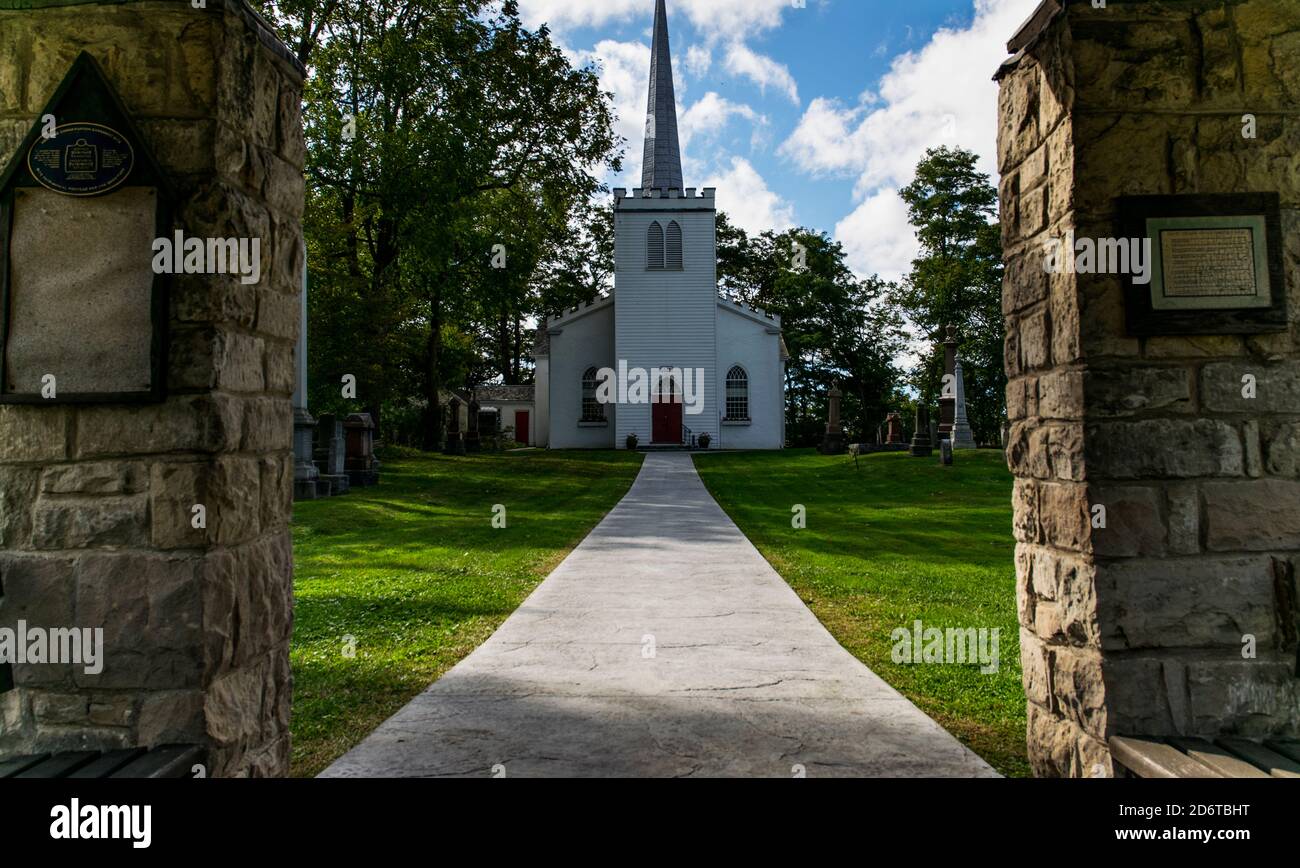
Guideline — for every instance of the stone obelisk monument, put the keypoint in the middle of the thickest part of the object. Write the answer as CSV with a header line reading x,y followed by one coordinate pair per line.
x,y
962,437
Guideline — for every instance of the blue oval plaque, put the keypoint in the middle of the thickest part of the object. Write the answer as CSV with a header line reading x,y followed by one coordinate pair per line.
x,y
82,159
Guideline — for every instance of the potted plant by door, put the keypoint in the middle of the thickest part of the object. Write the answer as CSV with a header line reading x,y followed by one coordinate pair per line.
x,y
705,440
631,441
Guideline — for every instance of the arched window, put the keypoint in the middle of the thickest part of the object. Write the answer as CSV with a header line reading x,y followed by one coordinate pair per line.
x,y
592,409
737,394
674,258
654,248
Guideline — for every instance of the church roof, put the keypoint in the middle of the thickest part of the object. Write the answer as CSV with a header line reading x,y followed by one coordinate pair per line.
x,y
662,163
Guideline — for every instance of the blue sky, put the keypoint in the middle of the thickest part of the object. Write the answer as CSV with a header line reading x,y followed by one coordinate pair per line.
x,y
812,116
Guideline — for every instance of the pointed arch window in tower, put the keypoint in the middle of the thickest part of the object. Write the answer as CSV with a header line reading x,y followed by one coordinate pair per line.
x,y
673,260
654,248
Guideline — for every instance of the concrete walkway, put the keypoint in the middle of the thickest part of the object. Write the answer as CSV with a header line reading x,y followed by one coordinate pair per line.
x,y
742,678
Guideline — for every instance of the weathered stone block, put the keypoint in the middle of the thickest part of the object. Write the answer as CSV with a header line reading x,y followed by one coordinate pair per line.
x,y
150,609
1129,391
31,433
100,477
278,315
1187,449
18,487
1202,603
1277,387
1246,697
241,366
1255,515
182,424
171,717
1061,395
1134,527
60,707
1078,689
1282,452
1064,515
90,523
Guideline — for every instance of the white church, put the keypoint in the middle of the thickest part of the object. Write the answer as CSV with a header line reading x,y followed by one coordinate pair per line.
x,y
685,361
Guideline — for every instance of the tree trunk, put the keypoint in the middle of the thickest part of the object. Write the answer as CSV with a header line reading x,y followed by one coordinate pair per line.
x,y
433,379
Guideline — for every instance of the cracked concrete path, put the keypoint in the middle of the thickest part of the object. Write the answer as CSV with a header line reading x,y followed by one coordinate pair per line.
x,y
742,680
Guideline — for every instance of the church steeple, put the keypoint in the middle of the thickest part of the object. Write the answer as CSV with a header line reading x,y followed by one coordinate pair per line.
x,y
662,164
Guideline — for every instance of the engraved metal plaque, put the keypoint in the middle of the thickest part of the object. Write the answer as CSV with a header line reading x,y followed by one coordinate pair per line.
x,y
1215,264
1209,263
82,159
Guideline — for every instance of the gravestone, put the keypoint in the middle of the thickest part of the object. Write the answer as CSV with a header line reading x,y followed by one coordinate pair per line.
x,y
945,452
150,493
894,423
921,444
455,444
1174,612
948,394
360,462
961,434
331,455
833,441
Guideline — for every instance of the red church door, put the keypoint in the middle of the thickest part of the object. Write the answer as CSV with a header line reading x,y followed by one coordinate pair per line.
x,y
666,414
521,427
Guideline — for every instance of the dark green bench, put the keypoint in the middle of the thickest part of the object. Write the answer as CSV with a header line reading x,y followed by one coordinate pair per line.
x,y
1224,757
168,761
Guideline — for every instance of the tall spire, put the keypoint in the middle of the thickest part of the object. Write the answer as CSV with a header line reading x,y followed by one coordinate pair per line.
x,y
662,163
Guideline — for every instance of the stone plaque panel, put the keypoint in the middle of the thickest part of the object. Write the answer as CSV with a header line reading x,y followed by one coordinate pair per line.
x,y
81,284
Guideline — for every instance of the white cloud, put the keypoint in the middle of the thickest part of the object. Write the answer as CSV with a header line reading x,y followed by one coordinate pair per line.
x,y
624,71
714,19
877,238
699,59
942,93
705,120
762,70
744,195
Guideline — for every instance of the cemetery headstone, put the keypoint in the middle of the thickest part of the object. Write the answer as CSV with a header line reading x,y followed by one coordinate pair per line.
x,y
947,396
833,441
894,422
455,444
473,443
331,455
921,445
962,436
360,462
945,452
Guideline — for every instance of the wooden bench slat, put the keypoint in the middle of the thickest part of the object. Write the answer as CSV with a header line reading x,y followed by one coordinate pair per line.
x,y
1152,759
1289,748
108,763
171,761
59,765
11,767
1217,758
1274,763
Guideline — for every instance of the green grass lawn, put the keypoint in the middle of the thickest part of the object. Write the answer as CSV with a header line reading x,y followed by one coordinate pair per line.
x,y
898,540
414,571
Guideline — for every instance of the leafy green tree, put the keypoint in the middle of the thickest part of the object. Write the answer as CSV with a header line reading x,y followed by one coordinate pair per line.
x,y
838,330
957,280
439,132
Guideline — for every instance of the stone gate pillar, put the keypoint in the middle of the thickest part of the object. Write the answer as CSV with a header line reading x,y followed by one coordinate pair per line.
x,y
98,519
1157,506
